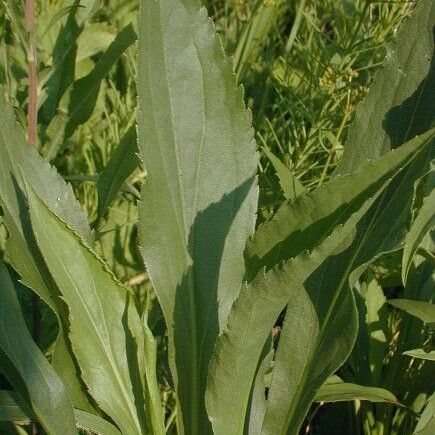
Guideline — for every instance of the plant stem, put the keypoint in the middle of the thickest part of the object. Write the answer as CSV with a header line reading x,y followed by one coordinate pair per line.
x,y
32,134
30,16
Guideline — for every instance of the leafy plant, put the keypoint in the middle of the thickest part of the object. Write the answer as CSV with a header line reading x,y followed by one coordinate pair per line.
x,y
259,320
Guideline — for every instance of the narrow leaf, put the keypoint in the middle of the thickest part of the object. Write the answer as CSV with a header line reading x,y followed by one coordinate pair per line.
x,y
426,423
344,391
10,409
290,185
421,354
423,223
85,91
200,198
121,165
425,311
43,390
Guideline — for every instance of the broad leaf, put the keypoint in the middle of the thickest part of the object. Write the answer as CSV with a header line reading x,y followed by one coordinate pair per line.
x,y
17,158
200,198
41,388
121,165
425,311
106,332
400,102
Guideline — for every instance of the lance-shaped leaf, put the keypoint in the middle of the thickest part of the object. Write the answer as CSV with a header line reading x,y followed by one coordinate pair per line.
x,y
345,391
382,229
120,166
423,223
425,311
233,365
16,154
421,354
13,409
426,423
321,318
37,382
290,185
63,55
200,198
84,92
400,102
302,224
106,332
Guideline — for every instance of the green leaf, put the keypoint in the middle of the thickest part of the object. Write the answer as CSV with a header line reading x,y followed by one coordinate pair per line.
x,y
120,166
425,311
237,351
106,332
95,38
40,387
261,383
426,423
94,424
256,33
400,102
344,391
84,93
200,198
21,251
421,354
290,185
302,224
63,56
423,223
321,319
11,409
366,362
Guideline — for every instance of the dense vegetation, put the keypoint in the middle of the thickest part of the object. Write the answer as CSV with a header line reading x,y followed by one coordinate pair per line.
x,y
167,268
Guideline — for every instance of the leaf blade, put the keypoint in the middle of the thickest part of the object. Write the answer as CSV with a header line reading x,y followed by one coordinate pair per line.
x,y
399,105
194,221
102,320
45,391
